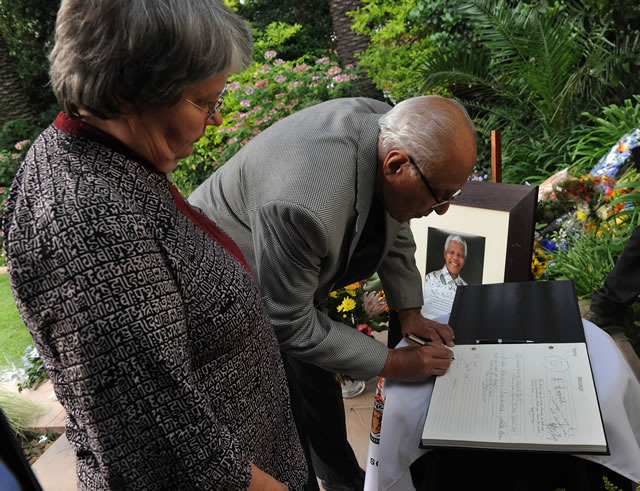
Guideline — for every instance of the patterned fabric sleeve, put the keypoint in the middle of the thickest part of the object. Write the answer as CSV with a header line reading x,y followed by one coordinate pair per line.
x,y
110,315
301,329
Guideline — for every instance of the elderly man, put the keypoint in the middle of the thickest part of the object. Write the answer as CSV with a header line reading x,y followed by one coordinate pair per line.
x,y
440,285
322,199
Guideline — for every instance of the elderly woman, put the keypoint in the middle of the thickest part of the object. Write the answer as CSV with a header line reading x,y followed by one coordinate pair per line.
x,y
146,315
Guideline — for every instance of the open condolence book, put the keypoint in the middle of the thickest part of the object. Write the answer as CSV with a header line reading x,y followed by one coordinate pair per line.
x,y
521,378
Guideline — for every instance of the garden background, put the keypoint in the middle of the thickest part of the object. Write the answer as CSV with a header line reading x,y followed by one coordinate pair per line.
x,y
558,79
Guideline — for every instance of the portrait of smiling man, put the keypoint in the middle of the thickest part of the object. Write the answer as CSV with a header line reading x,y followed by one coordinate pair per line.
x,y
440,285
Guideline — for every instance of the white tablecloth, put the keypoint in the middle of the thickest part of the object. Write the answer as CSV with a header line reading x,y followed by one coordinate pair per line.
x,y
405,411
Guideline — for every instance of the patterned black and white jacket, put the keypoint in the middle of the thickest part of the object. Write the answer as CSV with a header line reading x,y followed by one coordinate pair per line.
x,y
148,321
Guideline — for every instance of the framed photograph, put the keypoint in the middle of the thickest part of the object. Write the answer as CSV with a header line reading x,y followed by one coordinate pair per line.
x,y
492,224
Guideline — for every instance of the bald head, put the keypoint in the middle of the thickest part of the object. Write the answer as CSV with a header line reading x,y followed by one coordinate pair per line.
x,y
428,128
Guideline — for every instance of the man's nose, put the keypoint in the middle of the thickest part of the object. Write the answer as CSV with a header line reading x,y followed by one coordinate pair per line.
x,y
441,210
216,120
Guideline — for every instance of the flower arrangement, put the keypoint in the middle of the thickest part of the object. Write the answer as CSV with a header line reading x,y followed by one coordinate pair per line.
x,y
582,229
361,305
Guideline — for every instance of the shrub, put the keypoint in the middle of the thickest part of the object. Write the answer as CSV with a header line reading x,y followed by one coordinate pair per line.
x,y
403,36
313,37
256,98
601,132
35,373
15,131
28,28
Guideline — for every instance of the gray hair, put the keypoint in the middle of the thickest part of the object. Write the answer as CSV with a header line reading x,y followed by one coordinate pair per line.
x,y
456,238
423,129
142,51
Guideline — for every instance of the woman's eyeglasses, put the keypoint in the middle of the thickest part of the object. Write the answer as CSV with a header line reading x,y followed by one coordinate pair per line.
x,y
213,107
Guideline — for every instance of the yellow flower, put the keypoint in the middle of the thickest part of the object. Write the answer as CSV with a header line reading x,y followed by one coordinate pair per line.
x,y
351,289
582,216
347,305
333,294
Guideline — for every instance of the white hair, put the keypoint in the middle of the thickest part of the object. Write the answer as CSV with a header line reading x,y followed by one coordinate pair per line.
x,y
456,238
424,127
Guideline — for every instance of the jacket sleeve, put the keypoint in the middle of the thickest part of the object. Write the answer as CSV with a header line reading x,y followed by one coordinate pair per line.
x,y
399,274
289,244
104,309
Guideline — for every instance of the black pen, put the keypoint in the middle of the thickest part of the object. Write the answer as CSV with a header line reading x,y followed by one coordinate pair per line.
x,y
420,341
504,341
416,339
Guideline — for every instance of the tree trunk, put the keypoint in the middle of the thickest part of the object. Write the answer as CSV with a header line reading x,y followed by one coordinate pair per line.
x,y
349,42
13,101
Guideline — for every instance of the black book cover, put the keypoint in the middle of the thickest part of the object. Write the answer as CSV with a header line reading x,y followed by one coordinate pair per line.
x,y
541,311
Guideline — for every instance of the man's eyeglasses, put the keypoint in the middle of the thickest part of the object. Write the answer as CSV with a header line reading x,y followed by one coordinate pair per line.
x,y
213,107
426,183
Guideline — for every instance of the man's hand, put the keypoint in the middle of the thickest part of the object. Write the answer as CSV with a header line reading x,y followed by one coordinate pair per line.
x,y
412,321
415,363
262,481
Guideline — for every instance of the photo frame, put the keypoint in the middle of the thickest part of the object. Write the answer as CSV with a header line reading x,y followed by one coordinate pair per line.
x,y
501,216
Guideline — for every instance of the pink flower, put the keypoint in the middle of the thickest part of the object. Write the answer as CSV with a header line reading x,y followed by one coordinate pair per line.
x,y
232,141
248,90
278,62
374,303
260,83
280,78
269,54
334,70
280,95
265,68
20,145
315,77
313,84
301,68
341,78
280,105
349,66
364,329
256,132
245,103
324,60
233,86
331,85
15,155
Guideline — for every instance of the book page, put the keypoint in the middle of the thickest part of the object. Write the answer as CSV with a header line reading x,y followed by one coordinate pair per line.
x,y
504,394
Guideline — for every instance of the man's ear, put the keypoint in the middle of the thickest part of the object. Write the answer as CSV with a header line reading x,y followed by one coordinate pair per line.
x,y
393,165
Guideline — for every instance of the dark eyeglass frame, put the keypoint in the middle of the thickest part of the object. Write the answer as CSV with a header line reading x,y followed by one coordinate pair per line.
x,y
214,107
439,202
